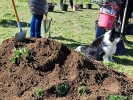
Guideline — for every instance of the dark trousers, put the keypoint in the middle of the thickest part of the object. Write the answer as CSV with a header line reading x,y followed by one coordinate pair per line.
x,y
70,1
61,1
35,26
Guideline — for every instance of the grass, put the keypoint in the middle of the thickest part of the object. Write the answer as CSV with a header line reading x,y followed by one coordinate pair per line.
x,y
39,93
62,89
117,97
19,54
82,90
69,28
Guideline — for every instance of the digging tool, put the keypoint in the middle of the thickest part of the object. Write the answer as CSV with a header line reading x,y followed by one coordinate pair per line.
x,y
123,22
120,46
20,36
124,17
45,27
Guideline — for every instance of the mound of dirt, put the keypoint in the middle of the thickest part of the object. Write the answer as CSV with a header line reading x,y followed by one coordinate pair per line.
x,y
51,64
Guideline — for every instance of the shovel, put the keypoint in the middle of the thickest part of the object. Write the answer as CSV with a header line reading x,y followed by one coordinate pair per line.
x,y
124,16
20,36
45,27
120,46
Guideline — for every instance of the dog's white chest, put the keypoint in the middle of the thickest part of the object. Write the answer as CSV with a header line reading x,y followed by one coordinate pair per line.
x,y
110,49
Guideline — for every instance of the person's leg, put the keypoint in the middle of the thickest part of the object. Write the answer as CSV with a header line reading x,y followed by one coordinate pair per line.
x,y
99,31
71,3
61,1
38,25
32,27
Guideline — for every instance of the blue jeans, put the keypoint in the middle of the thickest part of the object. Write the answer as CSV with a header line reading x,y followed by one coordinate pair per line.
x,y
99,31
35,26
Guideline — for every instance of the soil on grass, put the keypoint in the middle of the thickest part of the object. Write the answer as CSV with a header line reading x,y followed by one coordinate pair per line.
x,y
50,64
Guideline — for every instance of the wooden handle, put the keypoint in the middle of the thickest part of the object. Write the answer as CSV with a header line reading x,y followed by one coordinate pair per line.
x,y
45,16
124,16
15,11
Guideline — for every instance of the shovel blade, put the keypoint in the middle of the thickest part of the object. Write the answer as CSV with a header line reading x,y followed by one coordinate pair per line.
x,y
45,28
20,36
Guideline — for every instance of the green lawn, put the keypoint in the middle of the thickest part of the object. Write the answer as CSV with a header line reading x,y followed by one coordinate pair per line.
x,y
71,28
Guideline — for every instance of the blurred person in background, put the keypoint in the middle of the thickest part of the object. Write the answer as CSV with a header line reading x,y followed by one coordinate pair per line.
x,y
70,1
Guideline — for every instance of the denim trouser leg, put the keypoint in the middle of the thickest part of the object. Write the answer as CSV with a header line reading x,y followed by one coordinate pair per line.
x,y
38,25
99,31
32,27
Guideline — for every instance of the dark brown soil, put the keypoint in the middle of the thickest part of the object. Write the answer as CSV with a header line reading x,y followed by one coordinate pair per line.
x,y
50,64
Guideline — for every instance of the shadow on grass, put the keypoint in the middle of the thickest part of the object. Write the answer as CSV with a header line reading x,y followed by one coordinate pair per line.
x,y
80,10
131,44
62,38
95,8
58,12
73,43
91,9
12,23
129,52
69,11
125,61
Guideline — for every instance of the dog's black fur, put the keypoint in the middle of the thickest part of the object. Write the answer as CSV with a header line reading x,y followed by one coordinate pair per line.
x,y
103,47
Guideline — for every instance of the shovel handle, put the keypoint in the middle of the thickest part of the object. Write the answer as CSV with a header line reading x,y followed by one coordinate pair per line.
x,y
45,16
124,16
15,11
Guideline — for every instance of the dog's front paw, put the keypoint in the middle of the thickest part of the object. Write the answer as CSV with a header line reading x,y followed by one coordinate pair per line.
x,y
106,58
111,59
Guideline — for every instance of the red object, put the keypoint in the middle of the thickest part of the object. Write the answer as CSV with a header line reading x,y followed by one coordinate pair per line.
x,y
106,20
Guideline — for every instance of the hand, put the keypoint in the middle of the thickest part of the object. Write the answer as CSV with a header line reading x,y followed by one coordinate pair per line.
x,y
115,6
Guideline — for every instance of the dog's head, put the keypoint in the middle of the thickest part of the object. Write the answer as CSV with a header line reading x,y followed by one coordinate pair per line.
x,y
115,36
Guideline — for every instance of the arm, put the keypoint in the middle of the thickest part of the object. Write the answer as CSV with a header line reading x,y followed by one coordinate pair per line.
x,y
115,4
118,2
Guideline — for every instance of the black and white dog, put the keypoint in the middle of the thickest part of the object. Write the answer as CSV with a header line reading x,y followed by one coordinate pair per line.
x,y
103,47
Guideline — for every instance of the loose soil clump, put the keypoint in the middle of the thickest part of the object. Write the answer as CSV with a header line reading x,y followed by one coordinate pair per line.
x,y
51,65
